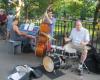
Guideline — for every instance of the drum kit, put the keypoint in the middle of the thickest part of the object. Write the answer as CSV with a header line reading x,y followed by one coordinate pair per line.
x,y
53,61
58,58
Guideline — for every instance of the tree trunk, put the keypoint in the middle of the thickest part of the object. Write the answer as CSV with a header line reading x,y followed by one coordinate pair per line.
x,y
18,8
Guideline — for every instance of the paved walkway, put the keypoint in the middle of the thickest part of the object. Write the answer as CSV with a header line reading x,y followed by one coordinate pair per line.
x,y
8,61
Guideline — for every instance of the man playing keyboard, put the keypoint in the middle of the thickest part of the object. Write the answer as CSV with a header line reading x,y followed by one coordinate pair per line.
x,y
16,34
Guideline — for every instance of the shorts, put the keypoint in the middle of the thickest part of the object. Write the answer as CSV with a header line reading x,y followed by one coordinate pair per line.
x,y
73,48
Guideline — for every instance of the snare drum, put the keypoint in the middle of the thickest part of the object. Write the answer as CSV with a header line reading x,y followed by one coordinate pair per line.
x,y
70,52
51,63
57,49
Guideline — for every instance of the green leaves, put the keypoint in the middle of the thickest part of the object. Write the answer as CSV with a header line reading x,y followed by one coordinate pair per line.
x,y
84,8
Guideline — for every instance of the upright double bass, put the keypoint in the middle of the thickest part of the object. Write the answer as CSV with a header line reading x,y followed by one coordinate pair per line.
x,y
43,39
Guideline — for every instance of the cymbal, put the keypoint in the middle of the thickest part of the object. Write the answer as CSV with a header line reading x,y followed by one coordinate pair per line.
x,y
48,35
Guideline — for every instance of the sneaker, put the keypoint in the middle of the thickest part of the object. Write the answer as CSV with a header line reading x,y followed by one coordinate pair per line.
x,y
80,69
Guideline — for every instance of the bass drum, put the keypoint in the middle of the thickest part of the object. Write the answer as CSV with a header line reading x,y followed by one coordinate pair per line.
x,y
51,63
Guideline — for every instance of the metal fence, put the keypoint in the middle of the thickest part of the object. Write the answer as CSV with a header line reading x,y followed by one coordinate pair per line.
x,y
63,28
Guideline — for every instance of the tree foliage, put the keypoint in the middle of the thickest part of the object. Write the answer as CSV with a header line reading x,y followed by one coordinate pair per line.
x,y
81,8
33,8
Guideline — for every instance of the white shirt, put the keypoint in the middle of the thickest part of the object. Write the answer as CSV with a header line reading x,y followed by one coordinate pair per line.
x,y
78,36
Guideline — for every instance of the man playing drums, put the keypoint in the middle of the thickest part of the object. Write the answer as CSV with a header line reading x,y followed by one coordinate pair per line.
x,y
79,38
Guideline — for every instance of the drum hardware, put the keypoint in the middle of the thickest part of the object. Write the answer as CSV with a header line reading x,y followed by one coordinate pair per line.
x,y
70,60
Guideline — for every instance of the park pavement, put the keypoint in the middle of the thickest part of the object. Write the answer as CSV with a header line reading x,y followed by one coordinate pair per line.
x,y
8,61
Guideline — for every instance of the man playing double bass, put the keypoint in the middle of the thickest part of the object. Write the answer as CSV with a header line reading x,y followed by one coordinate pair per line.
x,y
50,20
46,30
